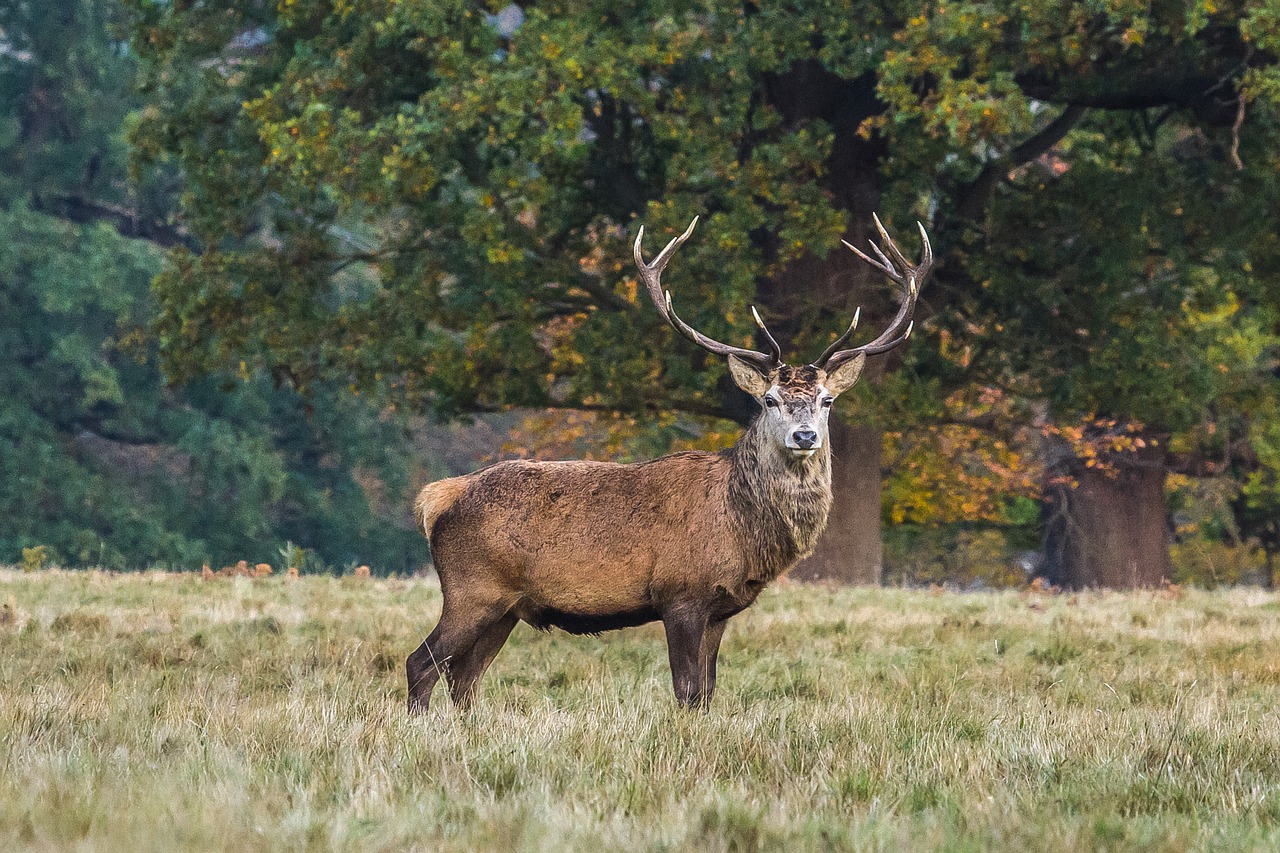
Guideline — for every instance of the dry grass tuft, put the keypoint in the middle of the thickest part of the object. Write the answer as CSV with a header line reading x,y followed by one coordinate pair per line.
x,y
160,712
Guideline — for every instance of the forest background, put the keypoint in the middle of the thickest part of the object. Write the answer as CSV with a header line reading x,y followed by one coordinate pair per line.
x,y
265,268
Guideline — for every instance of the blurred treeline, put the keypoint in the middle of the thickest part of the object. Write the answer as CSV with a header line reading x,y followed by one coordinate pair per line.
x,y
358,215
101,461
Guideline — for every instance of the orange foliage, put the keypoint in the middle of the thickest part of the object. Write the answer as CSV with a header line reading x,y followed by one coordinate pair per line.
x,y
559,341
553,434
239,570
1099,442
964,470
1040,586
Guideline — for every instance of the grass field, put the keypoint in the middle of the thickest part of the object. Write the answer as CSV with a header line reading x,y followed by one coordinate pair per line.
x,y
163,712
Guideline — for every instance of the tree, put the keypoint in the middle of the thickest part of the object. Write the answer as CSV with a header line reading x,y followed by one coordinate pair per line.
x,y
1258,504
1121,278
101,460
437,203
1137,321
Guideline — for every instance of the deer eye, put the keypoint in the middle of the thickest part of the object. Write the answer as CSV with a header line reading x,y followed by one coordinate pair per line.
x,y
771,402
826,404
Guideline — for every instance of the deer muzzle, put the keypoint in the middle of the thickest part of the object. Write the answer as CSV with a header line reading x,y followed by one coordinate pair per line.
x,y
804,440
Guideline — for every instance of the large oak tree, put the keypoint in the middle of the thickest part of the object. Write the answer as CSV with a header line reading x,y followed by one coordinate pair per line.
x,y
434,200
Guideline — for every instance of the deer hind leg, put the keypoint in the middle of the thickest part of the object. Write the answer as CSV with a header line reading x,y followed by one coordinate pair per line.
x,y
458,630
465,672
686,629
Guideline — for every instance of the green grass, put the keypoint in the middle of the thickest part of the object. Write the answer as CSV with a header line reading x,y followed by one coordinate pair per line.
x,y
162,712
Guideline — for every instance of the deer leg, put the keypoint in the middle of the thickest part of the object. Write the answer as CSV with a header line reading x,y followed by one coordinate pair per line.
x,y
466,671
685,627
707,663
452,637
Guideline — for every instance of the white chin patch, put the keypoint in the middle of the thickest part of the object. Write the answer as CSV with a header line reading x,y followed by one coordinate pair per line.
x,y
799,451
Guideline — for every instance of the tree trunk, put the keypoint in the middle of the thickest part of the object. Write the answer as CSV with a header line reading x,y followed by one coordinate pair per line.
x,y
1110,530
850,551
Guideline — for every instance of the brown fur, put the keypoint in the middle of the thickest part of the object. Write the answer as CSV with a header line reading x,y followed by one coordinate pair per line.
x,y
691,539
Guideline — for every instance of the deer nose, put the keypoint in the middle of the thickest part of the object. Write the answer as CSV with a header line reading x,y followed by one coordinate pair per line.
x,y
804,438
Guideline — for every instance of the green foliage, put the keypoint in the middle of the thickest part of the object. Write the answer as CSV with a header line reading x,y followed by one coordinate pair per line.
x,y
959,555
102,461
501,177
65,85
34,559
1138,308
1211,563
1120,262
1259,509
434,205
439,205
106,465
293,556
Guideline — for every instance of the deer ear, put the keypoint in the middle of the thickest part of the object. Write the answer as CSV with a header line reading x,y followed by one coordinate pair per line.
x,y
748,378
843,377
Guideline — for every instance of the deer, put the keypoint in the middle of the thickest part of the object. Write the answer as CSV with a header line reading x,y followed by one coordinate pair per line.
x,y
689,539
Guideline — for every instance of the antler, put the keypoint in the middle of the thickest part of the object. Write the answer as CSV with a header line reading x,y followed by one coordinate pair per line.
x,y
909,276
652,275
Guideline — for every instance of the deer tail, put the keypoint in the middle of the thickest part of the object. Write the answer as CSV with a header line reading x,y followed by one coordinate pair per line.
x,y
435,499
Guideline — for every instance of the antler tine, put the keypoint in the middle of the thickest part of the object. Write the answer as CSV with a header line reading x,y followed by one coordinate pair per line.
x,y
910,276
773,345
885,267
889,244
652,275
659,263
927,261
839,342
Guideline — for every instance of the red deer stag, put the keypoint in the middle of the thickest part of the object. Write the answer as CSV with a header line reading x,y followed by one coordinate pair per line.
x,y
690,539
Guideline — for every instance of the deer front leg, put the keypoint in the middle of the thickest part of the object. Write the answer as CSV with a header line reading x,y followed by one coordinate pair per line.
x,y
686,628
710,653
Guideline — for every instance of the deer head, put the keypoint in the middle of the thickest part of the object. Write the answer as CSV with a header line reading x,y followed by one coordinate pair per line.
x,y
797,400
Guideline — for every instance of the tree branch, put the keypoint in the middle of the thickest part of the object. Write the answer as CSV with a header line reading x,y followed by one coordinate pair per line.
x,y
1165,76
83,211
972,198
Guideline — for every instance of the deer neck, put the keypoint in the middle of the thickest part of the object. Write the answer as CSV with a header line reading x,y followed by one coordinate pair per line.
x,y
779,503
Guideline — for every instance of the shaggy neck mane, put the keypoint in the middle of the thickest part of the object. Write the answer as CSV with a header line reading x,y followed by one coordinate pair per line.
x,y
778,502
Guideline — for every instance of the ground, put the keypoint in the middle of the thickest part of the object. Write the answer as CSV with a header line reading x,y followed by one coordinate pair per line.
x,y
159,711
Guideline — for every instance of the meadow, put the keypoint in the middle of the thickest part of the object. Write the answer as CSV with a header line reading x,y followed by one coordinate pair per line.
x,y
166,712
